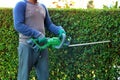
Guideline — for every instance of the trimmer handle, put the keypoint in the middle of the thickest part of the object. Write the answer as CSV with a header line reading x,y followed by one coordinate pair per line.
x,y
62,41
55,42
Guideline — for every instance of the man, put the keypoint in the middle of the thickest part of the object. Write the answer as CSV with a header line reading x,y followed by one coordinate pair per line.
x,y
30,21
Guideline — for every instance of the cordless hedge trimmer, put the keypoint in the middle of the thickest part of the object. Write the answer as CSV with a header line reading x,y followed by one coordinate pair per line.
x,y
58,43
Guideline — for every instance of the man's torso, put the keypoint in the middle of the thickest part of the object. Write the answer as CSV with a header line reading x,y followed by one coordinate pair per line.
x,y
34,18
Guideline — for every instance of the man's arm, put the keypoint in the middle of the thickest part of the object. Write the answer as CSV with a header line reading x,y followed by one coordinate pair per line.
x,y
19,21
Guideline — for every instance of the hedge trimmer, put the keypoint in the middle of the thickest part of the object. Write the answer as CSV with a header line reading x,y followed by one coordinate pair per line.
x,y
58,43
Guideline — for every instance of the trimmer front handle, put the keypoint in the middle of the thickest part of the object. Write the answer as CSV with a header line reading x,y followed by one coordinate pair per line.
x,y
62,41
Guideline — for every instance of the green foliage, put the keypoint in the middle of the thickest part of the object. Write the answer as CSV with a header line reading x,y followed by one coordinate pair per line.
x,y
94,62
8,42
113,6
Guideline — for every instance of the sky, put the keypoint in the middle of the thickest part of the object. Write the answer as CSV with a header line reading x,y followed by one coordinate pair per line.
x,y
11,3
7,3
79,3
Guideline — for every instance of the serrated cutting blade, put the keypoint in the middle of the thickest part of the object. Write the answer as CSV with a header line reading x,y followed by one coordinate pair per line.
x,y
91,43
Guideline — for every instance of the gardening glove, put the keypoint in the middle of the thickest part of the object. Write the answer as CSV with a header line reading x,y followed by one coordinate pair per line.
x,y
61,31
40,40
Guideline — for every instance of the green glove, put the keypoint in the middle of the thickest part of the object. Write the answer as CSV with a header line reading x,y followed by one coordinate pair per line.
x,y
41,39
61,31
35,43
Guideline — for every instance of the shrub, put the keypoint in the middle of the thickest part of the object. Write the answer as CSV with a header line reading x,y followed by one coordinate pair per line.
x,y
98,61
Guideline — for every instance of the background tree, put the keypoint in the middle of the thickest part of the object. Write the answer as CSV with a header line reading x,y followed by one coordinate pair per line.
x,y
90,4
63,3
114,6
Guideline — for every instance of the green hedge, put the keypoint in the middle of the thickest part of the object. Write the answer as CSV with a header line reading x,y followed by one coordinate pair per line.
x,y
93,62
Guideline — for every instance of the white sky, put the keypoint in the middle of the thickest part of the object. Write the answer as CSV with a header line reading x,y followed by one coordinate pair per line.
x,y
80,3
7,3
11,3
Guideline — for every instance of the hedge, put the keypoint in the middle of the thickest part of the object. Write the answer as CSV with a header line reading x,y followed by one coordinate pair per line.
x,y
92,62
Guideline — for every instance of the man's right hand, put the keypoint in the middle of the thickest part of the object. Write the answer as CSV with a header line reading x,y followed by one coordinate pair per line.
x,y
41,40
35,43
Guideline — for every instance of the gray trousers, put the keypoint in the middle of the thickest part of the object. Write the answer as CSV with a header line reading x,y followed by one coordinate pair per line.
x,y
28,58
